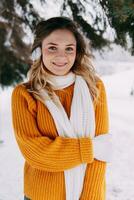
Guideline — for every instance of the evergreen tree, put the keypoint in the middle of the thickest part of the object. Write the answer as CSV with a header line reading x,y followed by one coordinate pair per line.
x,y
16,19
121,17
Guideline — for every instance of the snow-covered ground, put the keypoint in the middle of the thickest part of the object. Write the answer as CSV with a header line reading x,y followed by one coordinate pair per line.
x,y
120,173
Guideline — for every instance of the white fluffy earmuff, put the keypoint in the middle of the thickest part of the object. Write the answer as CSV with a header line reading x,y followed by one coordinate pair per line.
x,y
36,54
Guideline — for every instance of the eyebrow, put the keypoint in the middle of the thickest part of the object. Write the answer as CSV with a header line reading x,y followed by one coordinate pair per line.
x,y
51,43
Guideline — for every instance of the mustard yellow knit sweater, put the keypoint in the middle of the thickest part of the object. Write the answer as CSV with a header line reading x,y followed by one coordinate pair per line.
x,y
47,155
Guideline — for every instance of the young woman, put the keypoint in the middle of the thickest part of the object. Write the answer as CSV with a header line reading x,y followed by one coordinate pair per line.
x,y
60,118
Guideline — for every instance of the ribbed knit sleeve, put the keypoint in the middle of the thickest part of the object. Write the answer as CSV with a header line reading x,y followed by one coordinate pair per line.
x,y
39,151
94,186
101,111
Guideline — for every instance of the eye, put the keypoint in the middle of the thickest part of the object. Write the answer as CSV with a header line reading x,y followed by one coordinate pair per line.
x,y
69,49
52,48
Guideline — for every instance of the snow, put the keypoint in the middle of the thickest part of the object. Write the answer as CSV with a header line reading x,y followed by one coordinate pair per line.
x,y
120,173
11,161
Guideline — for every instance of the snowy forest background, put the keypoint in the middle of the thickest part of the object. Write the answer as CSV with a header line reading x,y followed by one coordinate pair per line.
x,y
112,45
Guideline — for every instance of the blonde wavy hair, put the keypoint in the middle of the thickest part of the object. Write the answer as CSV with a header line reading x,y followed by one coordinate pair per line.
x,y
38,73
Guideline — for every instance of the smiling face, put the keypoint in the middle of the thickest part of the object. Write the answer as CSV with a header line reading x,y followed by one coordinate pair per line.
x,y
59,51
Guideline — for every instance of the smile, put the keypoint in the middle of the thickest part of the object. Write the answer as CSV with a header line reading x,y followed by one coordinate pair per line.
x,y
60,64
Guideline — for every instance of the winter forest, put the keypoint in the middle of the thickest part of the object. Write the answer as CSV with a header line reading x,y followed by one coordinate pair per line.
x,y
108,26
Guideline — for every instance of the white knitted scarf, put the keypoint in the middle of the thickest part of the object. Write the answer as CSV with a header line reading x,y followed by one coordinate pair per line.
x,y
80,124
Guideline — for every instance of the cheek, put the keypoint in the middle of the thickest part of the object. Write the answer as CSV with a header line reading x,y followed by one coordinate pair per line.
x,y
47,56
46,52
73,56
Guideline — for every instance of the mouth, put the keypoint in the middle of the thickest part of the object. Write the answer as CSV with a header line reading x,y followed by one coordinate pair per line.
x,y
60,64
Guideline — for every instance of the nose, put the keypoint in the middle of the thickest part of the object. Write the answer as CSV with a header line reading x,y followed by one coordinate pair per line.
x,y
61,52
61,56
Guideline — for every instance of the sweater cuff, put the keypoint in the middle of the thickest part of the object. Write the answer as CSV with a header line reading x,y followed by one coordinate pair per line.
x,y
86,149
